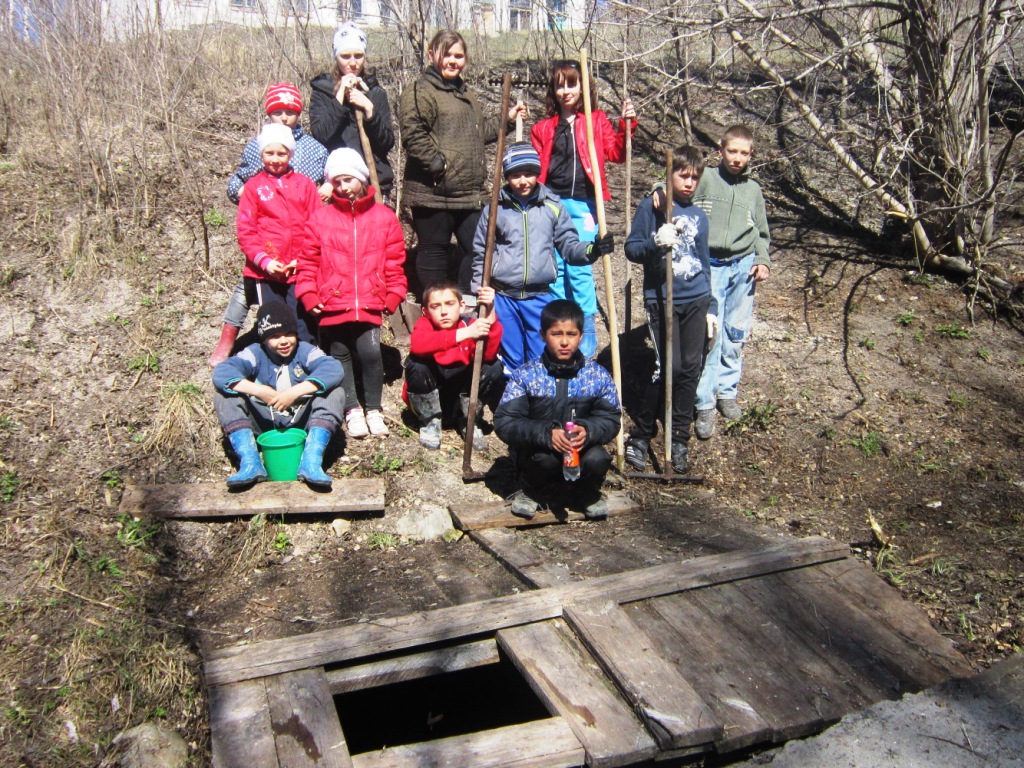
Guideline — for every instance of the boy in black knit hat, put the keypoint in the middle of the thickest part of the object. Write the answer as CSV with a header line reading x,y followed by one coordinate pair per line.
x,y
277,384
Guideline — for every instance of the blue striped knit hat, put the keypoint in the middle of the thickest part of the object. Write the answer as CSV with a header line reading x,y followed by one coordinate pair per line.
x,y
520,156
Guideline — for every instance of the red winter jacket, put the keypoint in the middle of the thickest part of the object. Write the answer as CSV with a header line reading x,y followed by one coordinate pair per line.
x,y
272,215
440,344
351,261
609,143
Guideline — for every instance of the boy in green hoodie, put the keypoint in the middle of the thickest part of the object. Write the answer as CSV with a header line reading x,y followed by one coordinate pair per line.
x,y
738,242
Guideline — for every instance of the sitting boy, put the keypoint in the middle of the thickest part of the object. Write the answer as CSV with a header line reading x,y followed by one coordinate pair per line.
x,y
277,384
440,363
541,397
531,223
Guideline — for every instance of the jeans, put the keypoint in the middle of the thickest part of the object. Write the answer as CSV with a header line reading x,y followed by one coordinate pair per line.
x,y
236,412
733,287
521,341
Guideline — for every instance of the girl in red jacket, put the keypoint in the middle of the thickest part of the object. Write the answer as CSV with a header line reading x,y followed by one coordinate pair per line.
x,y
565,168
350,274
273,210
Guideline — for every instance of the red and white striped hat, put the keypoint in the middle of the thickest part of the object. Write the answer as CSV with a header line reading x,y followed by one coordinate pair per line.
x,y
282,96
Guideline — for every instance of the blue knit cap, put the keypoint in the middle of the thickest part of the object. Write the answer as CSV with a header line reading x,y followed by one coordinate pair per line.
x,y
520,156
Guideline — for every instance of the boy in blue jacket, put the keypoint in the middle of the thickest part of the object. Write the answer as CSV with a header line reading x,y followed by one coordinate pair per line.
x,y
558,387
277,384
532,222
694,309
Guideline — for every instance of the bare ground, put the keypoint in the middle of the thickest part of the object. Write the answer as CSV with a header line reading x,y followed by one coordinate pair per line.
x,y
867,390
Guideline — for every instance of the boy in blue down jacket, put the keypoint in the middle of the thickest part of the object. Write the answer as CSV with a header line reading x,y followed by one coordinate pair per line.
x,y
532,222
558,387
277,384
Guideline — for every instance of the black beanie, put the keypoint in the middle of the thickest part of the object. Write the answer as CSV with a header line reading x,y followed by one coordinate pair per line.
x,y
275,317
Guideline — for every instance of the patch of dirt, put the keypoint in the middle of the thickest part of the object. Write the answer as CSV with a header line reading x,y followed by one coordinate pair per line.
x,y
867,390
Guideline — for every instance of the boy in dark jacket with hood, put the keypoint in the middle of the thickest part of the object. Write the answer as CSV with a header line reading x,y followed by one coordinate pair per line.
x,y
277,384
532,223
542,396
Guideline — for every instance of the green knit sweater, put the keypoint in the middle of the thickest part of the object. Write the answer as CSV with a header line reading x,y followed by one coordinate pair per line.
x,y
736,212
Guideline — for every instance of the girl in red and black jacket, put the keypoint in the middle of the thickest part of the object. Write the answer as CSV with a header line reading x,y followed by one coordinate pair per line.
x,y
273,210
565,169
350,274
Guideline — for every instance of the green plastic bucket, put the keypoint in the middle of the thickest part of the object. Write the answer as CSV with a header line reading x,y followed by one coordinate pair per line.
x,y
282,450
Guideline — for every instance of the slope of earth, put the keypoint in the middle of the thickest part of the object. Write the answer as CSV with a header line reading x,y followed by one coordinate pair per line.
x,y
867,391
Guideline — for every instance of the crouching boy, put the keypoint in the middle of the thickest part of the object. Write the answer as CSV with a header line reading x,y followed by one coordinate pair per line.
x,y
542,396
439,369
277,384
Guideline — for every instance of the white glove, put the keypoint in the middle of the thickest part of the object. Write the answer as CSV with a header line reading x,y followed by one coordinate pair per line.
x,y
667,236
712,326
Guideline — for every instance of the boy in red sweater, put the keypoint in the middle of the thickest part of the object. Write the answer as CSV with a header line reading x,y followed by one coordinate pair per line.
x,y
440,363
275,205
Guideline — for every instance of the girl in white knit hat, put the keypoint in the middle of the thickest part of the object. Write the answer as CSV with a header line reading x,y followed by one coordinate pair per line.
x,y
350,275
272,214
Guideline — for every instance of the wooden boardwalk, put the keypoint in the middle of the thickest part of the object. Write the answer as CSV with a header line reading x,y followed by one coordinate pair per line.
x,y
716,653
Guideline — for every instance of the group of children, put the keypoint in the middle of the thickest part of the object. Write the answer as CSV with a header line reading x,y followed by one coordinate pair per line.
x,y
326,269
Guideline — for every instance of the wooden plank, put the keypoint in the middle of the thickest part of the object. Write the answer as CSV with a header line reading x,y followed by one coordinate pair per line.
x,y
566,678
546,743
778,697
200,500
916,654
413,666
787,618
665,701
902,616
305,723
805,696
330,646
240,731
742,727
498,513
526,562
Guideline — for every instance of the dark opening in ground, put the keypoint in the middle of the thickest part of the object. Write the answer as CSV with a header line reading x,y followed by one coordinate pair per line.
x,y
452,704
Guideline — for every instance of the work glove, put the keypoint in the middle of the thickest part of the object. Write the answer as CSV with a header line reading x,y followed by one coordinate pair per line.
x,y
667,236
712,326
602,245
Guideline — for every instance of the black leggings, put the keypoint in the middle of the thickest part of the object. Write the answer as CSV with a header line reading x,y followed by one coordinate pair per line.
x,y
434,228
339,341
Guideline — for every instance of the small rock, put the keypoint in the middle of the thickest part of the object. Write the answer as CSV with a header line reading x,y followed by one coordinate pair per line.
x,y
151,746
340,526
429,521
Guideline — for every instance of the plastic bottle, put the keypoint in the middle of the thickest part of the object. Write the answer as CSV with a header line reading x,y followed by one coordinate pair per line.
x,y
571,458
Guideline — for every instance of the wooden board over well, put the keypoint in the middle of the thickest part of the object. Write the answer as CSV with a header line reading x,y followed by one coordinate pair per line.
x,y
197,500
714,654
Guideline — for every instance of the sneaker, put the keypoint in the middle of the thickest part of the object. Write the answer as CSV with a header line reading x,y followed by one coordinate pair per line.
x,y
355,423
523,506
376,425
636,453
680,458
730,409
597,510
704,424
430,434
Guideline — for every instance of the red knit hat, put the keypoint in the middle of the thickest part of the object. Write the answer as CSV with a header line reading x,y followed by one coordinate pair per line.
x,y
282,96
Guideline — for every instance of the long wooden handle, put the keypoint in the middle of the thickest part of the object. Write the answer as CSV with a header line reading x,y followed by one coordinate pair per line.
x,y
368,156
668,320
628,287
484,312
606,260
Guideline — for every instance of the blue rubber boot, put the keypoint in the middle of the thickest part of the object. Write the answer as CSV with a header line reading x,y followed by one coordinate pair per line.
x,y
311,467
250,465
